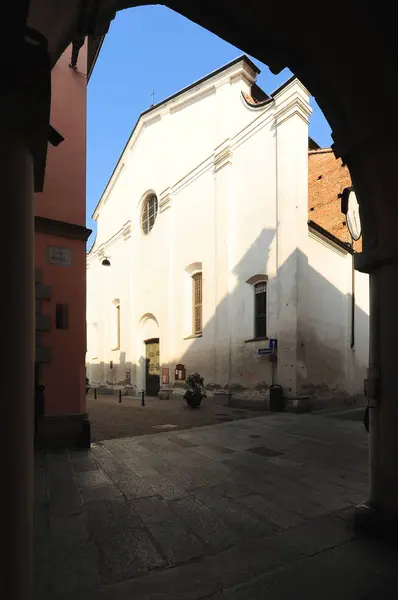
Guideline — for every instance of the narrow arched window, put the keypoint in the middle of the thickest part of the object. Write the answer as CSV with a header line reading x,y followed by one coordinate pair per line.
x,y
197,303
260,309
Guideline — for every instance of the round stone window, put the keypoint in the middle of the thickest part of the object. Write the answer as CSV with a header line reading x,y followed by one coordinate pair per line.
x,y
149,213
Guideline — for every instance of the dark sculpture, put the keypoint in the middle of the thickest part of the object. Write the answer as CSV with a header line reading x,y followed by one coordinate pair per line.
x,y
194,395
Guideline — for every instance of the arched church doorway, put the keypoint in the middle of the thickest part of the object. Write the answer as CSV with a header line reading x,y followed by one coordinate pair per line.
x,y
148,351
152,367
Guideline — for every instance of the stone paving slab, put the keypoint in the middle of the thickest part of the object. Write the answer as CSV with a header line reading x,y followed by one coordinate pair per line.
x,y
235,515
207,525
126,548
96,485
177,541
272,511
83,460
196,514
129,484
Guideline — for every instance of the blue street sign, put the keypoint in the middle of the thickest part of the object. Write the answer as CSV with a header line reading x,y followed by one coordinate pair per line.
x,y
262,351
273,343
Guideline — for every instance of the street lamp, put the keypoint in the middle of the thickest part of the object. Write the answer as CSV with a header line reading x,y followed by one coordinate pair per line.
x,y
106,262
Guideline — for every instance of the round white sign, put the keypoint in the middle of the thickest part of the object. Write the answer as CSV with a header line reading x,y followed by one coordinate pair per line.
x,y
353,218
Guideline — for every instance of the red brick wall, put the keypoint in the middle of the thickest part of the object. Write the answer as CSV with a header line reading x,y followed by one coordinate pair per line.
x,y
326,180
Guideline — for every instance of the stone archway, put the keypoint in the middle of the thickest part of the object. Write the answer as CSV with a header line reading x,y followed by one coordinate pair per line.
x,y
335,57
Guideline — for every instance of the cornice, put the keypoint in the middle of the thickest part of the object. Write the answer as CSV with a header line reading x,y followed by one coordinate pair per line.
x,y
165,200
222,156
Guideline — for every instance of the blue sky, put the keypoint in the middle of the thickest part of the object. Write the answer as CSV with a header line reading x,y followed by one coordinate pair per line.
x,y
153,48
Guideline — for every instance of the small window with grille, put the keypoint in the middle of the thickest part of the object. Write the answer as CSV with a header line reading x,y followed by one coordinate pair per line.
x,y
260,309
197,303
149,213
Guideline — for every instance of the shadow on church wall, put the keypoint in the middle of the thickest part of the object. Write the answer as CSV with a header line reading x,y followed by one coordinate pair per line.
x,y
326,365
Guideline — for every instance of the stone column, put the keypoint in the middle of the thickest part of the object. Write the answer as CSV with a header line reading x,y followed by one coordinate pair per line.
x,y
373,171
17,337
24,125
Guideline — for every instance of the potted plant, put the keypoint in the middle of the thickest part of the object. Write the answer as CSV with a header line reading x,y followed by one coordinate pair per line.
x,y
194,395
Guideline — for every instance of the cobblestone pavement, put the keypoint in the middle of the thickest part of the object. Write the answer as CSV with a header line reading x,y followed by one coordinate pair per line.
x,y
243,510
110,420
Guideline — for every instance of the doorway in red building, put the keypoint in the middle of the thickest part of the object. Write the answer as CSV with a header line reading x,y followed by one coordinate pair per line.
x,y
152,367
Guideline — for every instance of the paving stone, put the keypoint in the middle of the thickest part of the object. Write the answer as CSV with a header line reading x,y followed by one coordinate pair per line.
x,y
240,495
177,541
265,451
287,499
188,477
166,457
63,492
213,452
318,535
134,448
232,489
248,559
95,485
317,475
186,582
324,576
281,461
83,460
191,459
41,570
246,523
208,526
234,443
117,449
58,457
165,487
183,442
303,498
265,509
90,478
367,554
67,529
140,466
125,480
99,451
126,548
154,445
73,568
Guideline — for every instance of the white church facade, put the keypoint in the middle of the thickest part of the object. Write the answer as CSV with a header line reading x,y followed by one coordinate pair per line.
x,y
213,251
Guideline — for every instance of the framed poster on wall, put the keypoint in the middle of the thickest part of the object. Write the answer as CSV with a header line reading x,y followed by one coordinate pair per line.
x,y
165,375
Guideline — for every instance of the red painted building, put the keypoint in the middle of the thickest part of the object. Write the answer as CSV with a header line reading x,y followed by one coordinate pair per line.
x,y
60,261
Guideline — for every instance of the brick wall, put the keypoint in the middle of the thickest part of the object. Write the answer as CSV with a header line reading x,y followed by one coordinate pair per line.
x,y
327,178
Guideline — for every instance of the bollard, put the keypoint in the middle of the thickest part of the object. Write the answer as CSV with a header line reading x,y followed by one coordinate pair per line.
x,y
95,393
120,396
143,398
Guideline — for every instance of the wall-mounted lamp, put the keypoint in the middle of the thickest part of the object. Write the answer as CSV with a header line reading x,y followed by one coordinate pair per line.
x,y
106,262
